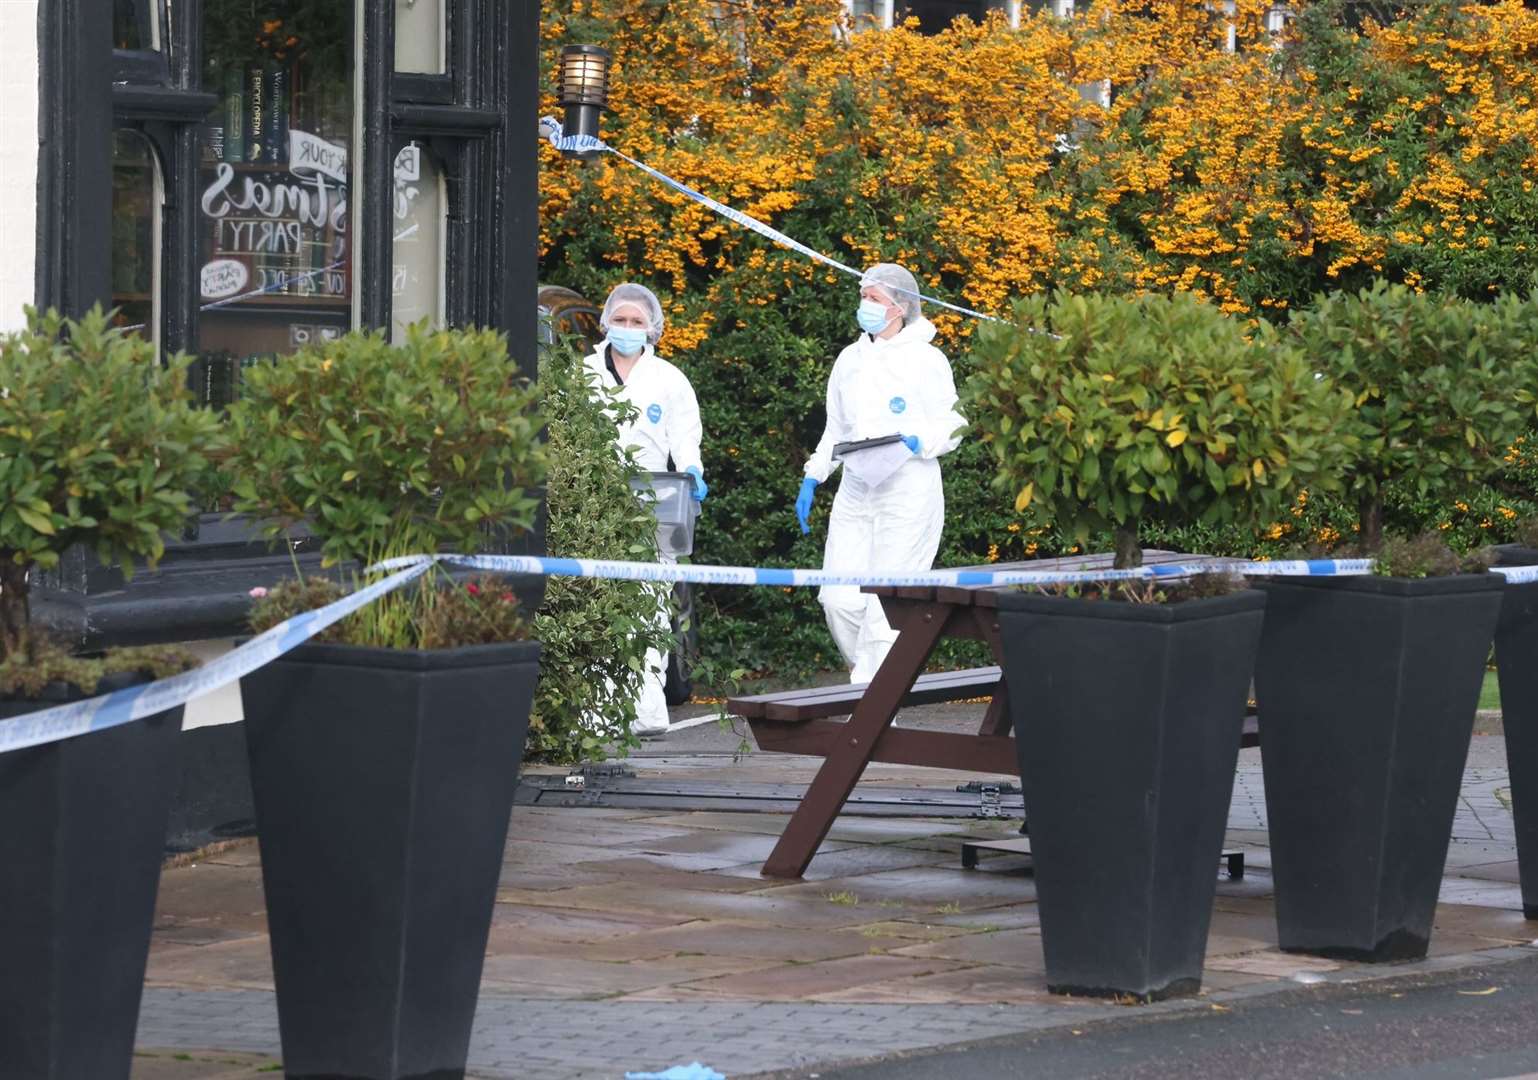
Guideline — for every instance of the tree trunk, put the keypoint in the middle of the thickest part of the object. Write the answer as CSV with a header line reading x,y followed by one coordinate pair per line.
x,y
1129,553
1371,513
15,612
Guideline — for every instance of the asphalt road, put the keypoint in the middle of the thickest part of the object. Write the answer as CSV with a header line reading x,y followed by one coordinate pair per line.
x,y
1480,1023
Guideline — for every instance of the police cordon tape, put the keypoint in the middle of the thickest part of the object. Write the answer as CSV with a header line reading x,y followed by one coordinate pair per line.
x,y
137,702
971,577
552,130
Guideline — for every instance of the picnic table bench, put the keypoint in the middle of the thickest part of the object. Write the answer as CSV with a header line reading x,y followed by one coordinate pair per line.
x,y
806,721
802,722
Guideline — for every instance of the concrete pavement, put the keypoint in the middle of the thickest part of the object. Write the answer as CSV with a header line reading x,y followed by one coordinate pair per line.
x,y
640,939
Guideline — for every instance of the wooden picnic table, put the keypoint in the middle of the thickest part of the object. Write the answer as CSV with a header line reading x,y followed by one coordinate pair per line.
x,y
796,722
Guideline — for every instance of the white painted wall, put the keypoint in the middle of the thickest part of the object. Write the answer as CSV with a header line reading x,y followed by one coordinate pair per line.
x,y
18,159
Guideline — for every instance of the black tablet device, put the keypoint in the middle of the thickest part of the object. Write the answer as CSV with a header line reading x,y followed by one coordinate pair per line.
x,y
843,448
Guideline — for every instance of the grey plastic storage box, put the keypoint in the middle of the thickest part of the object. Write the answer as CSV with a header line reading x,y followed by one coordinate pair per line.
x,y
671,497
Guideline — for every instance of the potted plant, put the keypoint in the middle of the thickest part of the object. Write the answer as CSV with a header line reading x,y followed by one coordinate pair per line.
x,y
1516,649
384,758
99,446
1104,413
1516,633
1367,686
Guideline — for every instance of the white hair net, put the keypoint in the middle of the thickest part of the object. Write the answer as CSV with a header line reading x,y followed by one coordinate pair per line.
x,y
899,286
638,296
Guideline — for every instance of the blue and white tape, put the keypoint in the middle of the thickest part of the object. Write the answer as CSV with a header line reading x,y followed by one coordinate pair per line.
x,y
582,144
791,578
137,702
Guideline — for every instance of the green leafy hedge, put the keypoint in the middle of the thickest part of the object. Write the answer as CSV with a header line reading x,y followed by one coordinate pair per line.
x,y
100,445
593,634
1441,387
389,448
1106,412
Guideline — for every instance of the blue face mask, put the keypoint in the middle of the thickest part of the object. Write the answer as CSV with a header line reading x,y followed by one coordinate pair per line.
x,y
872,316
627,340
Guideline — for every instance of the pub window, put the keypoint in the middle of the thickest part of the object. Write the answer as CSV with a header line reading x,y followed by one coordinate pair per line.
x,y
137,25
135,233
420,36
274,177
247,217
416,278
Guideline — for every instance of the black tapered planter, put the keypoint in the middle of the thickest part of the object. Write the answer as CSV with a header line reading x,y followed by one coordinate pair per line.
x,y
82,834
1127,720
1366,689
383,783
1514,555
1516,665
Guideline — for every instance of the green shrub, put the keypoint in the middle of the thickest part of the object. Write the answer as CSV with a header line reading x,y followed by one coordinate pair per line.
x,y
593,634
28,672
386,450
1526,532
1426,555
448,615
99,446
1106,413
1146,590
1441,387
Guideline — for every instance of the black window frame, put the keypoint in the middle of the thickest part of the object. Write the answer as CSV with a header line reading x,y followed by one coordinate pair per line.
x,y
467,118
455,116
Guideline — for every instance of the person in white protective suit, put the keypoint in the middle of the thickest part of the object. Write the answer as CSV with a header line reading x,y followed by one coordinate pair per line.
x,y
889,511
665,423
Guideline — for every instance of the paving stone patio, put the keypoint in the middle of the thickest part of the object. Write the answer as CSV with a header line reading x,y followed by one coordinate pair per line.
x,y
628,939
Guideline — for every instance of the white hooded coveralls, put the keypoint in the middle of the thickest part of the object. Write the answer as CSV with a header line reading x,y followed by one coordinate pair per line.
x,y
899,385
666,423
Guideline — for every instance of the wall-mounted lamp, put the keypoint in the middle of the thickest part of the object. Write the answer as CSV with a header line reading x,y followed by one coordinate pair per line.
x,y
584,90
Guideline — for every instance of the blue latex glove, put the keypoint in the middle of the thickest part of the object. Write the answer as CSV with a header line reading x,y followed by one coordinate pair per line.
x,y
694,1071
701,489
911,442
804,504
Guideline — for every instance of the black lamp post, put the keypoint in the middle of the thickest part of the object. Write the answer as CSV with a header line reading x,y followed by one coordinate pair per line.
x,y
584,91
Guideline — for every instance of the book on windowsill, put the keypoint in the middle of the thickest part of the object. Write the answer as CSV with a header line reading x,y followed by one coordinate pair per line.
x,y
275,109
234,114
256,112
